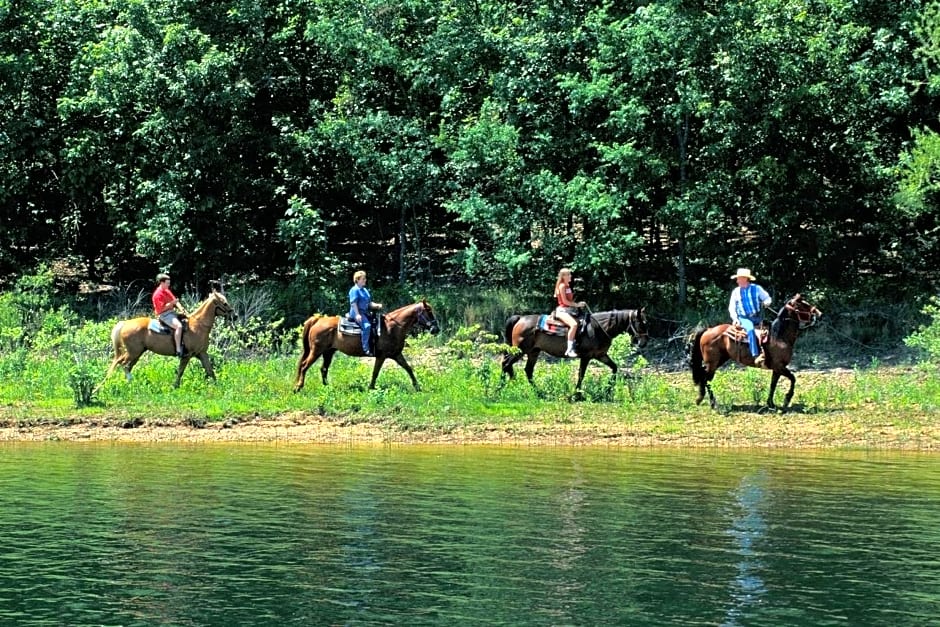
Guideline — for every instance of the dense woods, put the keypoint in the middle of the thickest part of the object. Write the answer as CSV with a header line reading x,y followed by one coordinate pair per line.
x,y
437,142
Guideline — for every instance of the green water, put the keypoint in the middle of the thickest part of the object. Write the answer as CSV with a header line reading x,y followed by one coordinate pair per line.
x,y
101,534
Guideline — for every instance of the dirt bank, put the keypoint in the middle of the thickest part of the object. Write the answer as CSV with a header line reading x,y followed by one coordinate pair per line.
x,y
793,431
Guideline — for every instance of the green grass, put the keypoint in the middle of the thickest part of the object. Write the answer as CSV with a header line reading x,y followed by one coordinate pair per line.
x,y
463,390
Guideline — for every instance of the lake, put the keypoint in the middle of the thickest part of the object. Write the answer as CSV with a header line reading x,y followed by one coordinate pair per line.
x,y
237,534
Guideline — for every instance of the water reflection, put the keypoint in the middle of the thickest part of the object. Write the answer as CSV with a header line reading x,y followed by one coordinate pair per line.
x,y
748,530
296,535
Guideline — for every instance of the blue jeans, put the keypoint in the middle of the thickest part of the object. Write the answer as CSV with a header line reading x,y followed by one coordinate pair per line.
x,y
366,326
748,325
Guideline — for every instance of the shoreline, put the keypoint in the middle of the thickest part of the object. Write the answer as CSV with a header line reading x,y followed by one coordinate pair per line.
x,y
757,431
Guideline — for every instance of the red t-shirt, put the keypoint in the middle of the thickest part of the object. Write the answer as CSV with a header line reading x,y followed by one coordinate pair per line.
x,y
568,293
161,296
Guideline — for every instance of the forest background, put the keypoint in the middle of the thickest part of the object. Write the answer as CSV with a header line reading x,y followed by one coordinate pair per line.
x,y
468,145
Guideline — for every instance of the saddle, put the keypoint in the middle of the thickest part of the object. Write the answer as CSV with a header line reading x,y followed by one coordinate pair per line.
x,y
736,333
348,326
550,325
157,326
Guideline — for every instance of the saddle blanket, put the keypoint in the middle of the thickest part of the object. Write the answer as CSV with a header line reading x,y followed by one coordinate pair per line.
x,y
737,334
550,326
156,326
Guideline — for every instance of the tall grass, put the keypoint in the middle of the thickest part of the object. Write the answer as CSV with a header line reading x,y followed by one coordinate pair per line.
x,y
51,359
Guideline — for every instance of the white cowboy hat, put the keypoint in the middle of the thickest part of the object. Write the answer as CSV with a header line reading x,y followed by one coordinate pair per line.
x,y
743,272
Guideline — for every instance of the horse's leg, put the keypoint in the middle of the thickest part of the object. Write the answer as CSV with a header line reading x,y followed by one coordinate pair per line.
x,y
306,360
207,365
508,360
375,371
184,361
327,360
711,395
130,360
530,363
606,360
773,387
400,360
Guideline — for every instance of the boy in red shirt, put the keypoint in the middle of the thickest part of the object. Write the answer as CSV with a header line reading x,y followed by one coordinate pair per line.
x,y
165,305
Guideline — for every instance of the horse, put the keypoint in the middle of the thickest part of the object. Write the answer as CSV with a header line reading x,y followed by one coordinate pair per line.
x,y
602,327
132,338
711,348
321,336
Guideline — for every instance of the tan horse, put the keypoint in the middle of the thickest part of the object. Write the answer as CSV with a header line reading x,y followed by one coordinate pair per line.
x,y
321,336
711,348
132,338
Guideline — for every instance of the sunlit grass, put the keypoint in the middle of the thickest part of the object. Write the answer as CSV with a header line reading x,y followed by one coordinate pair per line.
x,y
467,391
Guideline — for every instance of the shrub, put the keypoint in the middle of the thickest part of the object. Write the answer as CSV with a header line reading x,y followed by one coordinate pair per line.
x,y
927,337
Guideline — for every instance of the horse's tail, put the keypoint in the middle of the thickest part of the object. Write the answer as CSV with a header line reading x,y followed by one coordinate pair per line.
x,y
695,357
119,352
305,337
510,323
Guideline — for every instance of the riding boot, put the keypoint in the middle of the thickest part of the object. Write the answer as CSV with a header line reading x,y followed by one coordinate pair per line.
x,y
570,352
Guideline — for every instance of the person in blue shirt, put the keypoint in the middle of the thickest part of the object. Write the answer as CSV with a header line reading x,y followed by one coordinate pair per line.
x,y
360,302
747,301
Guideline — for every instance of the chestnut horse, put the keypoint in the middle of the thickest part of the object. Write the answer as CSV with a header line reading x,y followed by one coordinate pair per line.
x,y
321,336
711,348
132,338
602,327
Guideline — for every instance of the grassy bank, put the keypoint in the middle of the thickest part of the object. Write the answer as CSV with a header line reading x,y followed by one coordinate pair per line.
x,y
464,399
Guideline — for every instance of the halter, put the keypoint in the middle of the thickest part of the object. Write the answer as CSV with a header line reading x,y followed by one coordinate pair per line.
x,y
423,318
804,317
634,326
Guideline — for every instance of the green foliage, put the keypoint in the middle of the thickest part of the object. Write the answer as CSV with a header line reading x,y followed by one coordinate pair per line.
x,y
479,353
927,337
477,143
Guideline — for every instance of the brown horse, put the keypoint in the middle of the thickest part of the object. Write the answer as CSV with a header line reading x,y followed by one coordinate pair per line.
x,y
712,348
132,338
321,336
602,327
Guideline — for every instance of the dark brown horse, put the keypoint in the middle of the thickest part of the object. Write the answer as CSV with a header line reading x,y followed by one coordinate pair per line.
x,y
602,327
132,338
712,348
321,336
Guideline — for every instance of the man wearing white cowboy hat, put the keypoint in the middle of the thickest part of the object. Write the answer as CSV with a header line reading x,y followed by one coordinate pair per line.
x,y
747,299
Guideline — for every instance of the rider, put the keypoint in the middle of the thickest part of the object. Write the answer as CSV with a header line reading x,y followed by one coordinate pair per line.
x,y
567,308
360,302
165,305
745,309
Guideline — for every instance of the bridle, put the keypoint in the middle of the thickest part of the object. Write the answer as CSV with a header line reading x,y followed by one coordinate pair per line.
x,y
425,320
805,317
634,327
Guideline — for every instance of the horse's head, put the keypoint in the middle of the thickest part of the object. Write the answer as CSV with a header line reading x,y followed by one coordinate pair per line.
x,y
637,326
805,313
222,307
426,320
